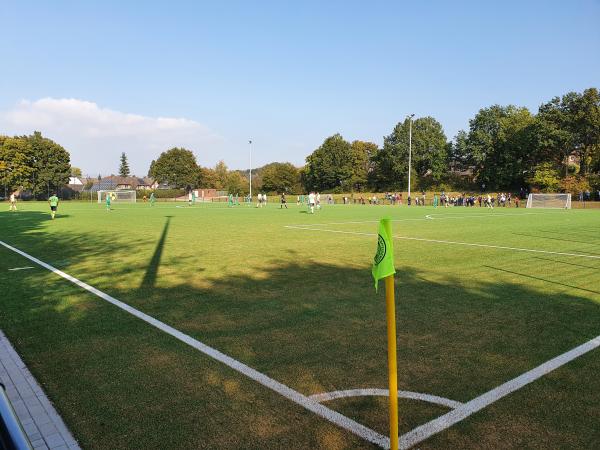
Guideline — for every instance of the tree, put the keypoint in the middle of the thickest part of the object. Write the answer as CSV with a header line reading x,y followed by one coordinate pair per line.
x,y
571,125
500,144
281,177
176,167
545,178
16,163
329,166
76,172
459,157
124,166
221,174
429,154
362,153
236,183
51,165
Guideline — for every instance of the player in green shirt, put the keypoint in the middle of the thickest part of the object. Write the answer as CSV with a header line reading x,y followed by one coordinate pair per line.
x,y
108,200
152,199
53,201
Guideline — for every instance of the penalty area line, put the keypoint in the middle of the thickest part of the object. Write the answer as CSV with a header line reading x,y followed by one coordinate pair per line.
x,y
280,388
440,241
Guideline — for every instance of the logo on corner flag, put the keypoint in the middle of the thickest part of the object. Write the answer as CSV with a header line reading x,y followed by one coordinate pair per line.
x,y
383,262
381,249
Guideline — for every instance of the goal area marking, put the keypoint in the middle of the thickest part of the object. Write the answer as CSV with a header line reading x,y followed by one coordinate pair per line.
x,y
407,440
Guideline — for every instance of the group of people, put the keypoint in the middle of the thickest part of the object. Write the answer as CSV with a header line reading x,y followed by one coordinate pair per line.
x,y
501,199
262,200
52,201
152,199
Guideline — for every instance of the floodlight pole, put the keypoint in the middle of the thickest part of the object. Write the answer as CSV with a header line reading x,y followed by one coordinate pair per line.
x,y
250,144
410,117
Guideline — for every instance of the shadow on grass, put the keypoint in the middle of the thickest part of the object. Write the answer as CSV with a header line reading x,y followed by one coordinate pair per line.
x,y
152,270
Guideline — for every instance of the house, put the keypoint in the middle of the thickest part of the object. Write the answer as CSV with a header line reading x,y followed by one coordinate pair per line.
x,y
75,184
118,183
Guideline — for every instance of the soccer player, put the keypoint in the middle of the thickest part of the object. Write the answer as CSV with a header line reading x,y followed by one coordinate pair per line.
x,y
152,199
311,202
53,202
13,202
318,200
190,198
108,200
283,201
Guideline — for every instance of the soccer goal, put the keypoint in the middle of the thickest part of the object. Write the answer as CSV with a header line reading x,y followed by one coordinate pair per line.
x,y
117,196
549,201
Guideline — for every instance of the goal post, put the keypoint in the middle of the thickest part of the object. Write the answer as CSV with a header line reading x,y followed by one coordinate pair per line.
x,y
117,196
562,201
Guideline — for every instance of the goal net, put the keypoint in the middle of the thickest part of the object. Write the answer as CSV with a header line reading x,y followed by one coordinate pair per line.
x,y
549,201
117,196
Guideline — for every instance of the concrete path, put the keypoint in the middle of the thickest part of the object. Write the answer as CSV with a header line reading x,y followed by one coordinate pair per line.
x,y
44,427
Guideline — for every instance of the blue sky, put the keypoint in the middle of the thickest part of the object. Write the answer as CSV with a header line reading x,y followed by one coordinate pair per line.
x,y
96,76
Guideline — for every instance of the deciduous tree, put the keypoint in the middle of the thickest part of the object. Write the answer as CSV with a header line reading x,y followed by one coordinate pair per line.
x,y
177,167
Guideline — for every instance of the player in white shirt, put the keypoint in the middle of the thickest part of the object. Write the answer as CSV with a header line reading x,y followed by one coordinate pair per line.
x,y
311,202
318,201
13,202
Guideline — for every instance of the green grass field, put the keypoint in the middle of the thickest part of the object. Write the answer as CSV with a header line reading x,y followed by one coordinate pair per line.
x,y
291,295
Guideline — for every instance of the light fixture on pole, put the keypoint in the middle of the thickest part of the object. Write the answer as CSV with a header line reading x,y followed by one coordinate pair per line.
x,y
410,117
250,144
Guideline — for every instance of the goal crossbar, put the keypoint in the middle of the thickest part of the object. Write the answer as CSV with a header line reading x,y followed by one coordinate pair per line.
x,y
562,201
121,196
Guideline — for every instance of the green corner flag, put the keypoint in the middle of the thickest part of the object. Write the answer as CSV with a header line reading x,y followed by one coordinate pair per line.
x,y
383,263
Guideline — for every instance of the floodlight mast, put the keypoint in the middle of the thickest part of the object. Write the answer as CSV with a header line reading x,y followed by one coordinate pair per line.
x,y
410,117
250,144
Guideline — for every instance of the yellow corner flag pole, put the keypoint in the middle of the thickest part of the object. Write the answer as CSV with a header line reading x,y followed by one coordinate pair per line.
x,y
392,364
383,268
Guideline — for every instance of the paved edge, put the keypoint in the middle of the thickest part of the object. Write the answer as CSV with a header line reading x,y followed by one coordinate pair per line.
x,y
43,426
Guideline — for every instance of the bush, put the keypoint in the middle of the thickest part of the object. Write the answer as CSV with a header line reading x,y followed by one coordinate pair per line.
x,y
574,185
545,178
160,193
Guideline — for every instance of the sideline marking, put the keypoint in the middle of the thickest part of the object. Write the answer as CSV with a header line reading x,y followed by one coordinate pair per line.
x,y
21,268
439,241
434,426
287,392
327,396
427,217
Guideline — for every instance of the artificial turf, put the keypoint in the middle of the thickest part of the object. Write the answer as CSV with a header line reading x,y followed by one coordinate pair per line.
x,y
298,304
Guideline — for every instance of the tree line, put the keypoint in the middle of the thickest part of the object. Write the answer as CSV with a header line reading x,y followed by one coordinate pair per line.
x,y
505,148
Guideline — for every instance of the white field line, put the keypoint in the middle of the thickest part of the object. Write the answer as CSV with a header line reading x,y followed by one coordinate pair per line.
x,y
21,268
427,430
436,216
327,396
439,241
287,392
